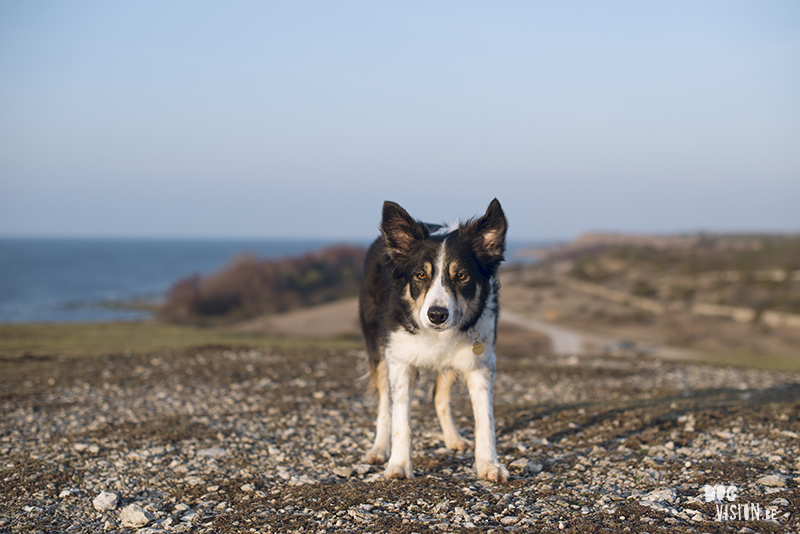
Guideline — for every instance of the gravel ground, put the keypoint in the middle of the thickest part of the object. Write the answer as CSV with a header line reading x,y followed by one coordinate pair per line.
x,y
219,439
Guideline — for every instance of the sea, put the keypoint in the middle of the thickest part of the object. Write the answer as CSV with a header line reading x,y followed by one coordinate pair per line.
x,y
45,280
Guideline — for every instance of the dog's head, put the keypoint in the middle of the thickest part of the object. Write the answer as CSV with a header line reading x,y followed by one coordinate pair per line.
x,y
446,272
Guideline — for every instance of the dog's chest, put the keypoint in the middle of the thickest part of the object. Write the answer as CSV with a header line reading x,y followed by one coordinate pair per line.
x,y
434,350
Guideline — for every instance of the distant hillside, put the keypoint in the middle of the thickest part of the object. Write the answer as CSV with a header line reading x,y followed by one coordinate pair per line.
x,y
249,287
761,272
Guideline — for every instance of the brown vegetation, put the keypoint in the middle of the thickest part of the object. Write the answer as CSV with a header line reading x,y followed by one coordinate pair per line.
x,y
249,286
758,272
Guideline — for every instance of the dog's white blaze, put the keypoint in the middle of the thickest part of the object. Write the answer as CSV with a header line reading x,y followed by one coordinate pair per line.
x,y
438,295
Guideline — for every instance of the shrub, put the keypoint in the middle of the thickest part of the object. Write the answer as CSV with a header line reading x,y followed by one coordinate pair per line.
x,y
249,286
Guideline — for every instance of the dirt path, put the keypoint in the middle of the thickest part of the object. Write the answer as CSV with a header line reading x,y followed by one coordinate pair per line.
x,y
215,440
562,340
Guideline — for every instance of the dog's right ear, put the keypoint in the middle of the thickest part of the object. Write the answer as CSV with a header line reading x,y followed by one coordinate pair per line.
x,y
399,230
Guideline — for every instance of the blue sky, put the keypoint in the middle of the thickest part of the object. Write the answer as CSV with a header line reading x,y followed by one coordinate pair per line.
x,y
297,119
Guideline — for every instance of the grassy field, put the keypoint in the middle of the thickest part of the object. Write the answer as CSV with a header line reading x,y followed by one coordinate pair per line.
x,y
113,338
87,339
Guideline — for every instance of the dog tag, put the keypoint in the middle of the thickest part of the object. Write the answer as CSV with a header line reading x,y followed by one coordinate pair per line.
x,y
477,347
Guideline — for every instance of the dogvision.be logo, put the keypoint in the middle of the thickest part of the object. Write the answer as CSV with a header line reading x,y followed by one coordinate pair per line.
x,y
724,498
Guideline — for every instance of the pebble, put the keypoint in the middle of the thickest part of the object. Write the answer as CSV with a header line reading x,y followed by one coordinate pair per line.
x,y
344,472
773,481
242,448
667,495
212,452
105,501
134,516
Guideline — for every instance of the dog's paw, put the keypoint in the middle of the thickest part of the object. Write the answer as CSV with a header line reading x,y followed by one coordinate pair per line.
x,y
494,472
376,456
398,471
458,444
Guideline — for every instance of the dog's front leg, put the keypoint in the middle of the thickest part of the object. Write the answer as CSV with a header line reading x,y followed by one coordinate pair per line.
x,y
480,382
400,380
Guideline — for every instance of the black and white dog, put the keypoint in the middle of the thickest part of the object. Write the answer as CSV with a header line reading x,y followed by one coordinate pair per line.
x,y
429,300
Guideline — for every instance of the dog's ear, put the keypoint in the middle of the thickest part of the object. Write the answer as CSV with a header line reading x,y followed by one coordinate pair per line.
x,y
399,230
487,235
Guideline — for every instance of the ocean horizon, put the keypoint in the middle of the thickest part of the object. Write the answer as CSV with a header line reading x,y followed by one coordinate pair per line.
x,y
53,280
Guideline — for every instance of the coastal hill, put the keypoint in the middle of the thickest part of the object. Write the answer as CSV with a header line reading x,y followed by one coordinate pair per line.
x,y
726,297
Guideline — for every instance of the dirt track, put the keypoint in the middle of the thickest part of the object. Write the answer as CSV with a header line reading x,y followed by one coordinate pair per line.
x,y
227,440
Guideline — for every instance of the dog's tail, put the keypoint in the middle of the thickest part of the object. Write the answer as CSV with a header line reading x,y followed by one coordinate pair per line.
x,y
376,379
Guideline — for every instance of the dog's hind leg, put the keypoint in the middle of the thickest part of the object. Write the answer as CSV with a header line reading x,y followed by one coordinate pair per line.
x,y
379,452
441,399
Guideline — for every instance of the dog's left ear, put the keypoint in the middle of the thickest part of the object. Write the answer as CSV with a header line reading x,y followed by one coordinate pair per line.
x,y
488,235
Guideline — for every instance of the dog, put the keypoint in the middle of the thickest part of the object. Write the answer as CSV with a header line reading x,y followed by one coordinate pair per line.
x,y
429,299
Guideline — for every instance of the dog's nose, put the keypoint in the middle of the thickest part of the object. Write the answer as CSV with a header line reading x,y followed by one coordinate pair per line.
x,y
437,314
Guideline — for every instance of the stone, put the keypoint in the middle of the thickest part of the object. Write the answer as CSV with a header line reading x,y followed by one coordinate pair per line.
x,y
344,472
105,501
212,452
660,495
134,516
773,481
527,466
441,507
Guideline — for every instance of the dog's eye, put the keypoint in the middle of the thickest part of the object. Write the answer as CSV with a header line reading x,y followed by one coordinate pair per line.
x,y
421,275
461,276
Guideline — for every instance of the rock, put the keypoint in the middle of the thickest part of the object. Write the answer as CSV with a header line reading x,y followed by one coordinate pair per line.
x,y
343,472
522,463
105,501
773,481
362,469
212,452
660,495
189,517
527,466
248,488
441,507
134,516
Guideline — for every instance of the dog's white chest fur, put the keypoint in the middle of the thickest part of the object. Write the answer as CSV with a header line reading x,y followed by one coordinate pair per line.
x,y
447,350
433,350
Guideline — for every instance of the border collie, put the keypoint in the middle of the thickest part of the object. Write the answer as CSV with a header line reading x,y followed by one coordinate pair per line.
x,y
429,300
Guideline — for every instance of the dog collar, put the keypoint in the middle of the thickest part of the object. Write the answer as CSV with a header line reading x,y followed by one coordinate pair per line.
x,y
477,346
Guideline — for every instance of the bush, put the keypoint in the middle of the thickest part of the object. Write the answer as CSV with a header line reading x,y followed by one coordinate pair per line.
x,y
249,287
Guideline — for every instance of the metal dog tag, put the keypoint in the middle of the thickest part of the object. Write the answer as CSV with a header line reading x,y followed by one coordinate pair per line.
x,y
477,347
